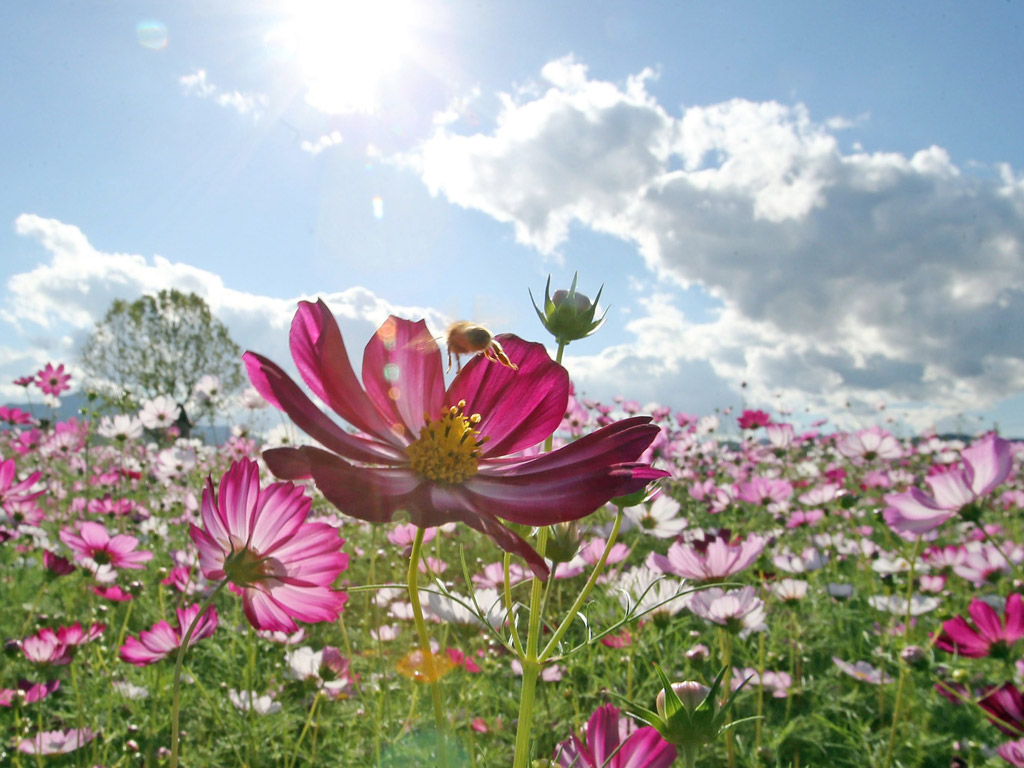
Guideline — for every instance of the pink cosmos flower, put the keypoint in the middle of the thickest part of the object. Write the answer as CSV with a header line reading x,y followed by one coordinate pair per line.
x,y
444,455
52,380
644,748
14,415
739,609
767,491
93,543
863,671
261,542
45,648
869,444
753,419
27,692
1005,708
711,560
991,636
987,464
17,493
161,641
56,742
1012,752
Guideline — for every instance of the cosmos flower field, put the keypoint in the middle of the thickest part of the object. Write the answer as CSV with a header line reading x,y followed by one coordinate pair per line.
x,y
417,567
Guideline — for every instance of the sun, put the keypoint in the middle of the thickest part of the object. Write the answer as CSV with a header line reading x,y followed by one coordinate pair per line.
x,y
344,49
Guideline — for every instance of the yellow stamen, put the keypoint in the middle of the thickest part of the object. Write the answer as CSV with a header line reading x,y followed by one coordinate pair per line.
x,y
447,449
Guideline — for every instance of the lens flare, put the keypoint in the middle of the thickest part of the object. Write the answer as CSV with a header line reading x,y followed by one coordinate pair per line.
x,y
152,34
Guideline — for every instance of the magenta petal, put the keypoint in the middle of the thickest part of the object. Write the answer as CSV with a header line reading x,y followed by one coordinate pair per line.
x,y
403,376
986,619
1014,618
518,408
263,612
368,493
951,489
958,637
320,355
645,748
603,733
312,420
506,539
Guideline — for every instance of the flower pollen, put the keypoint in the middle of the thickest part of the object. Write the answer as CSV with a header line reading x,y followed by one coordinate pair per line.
x,y
447,449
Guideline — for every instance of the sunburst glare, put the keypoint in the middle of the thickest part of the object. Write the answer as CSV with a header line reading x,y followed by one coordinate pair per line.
x,y
344,49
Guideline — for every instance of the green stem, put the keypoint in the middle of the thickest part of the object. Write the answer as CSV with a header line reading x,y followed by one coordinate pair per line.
x,y
725,656
428,656
176,697
689,756
531,665
305,729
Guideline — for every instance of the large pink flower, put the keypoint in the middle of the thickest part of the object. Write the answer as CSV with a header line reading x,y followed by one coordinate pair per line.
x,y
16,493
986,465
260,541
444,455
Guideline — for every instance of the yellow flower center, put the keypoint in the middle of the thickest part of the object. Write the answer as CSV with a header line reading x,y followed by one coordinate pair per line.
x,y
446,450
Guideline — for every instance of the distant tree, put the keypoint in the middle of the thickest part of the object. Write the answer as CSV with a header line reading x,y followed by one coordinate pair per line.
x,y
159,345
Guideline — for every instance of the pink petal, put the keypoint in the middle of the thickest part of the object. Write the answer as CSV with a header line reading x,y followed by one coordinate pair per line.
x,y
645,748
986,619
367,493
312,420
989,463
951,489
280,513
1014,629
914,512
403,377
518,408
603,733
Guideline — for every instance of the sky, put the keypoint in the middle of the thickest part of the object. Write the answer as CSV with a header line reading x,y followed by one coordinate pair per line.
x,y
812,208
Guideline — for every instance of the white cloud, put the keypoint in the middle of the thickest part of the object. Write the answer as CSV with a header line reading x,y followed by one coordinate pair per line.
x,y
197,84
55,305
842,276
326,141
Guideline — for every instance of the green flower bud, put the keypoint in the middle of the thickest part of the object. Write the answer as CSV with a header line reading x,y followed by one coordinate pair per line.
x,y
569,315
564,542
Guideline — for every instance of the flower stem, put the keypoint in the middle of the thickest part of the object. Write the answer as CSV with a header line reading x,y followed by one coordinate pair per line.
x,y
176,697
428,656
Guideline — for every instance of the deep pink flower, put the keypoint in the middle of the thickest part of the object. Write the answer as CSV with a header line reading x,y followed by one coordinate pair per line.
x,y
260,541
644,748
52,380
57,565
444,455
987,464
992,636
753,419
94,543
1005,708
711,560
45,648
161,641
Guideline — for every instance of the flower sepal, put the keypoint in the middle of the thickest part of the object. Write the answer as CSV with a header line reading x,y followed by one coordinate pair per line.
x,y
569,315
688,714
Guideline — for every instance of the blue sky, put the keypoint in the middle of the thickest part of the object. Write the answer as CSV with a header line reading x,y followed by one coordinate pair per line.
x,y
822,200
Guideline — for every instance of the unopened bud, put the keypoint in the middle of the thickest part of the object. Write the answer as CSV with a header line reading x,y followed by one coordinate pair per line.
x,y
569,315
690,693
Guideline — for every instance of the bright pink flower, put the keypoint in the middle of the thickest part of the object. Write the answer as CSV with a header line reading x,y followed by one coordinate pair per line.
x,y
644,748
711,560
14,415
57,565
863,671
27,692
52,380
987,464
753,419
444,455
991,636
56,742
45,648
161,641
94,543
260,541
